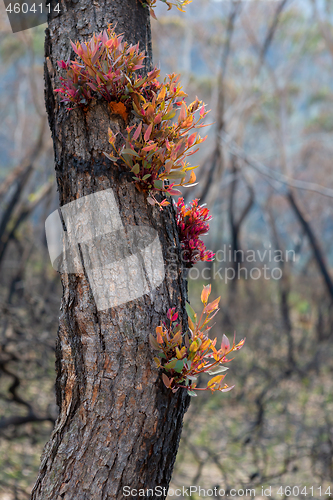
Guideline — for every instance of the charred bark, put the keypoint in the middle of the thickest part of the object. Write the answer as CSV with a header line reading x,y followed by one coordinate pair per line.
x,y
118,425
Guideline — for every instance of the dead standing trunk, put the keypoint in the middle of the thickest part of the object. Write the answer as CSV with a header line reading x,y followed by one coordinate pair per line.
x,y
118,425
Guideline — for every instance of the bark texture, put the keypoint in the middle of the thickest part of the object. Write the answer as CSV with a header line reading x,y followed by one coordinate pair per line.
x,y
118,425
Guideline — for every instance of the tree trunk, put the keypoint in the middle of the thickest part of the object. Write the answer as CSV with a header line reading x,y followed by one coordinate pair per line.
x,y
314,243
118,424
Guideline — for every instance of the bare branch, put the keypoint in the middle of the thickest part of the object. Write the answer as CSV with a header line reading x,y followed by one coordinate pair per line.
x,y
324,28
271,31
17,420
316,248
272,174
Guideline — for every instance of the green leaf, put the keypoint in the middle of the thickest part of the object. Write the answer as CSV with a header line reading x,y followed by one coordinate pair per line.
x,y
175,175
217,370
179,366
153,342
127,159
191,313
158,362
128,151
136,169
139,82
112,158
192,393
146,177
171,114
171,364
177,329
158,184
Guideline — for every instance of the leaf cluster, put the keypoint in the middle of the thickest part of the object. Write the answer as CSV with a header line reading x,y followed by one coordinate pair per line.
x,y
106,69
185,356
192,222
157,146
156,149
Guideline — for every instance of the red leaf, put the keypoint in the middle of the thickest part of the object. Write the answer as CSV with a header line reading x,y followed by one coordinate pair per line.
x,y
137,132
158,118
151,200
225,344
191,139
148,132
149,148
170,313
182,114
174,192
152,13
226,389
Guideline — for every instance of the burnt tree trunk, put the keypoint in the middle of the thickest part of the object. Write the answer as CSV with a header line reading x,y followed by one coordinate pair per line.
x,y
118,425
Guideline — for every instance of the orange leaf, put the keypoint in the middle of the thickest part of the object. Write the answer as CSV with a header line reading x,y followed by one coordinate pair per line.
x,y
166,380
212,306
192,178
205,294
161,95
183,113
159,331
118,108
190,324
215,380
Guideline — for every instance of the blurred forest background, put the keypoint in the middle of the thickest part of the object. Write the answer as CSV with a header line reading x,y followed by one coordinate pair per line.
x,y
265,69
